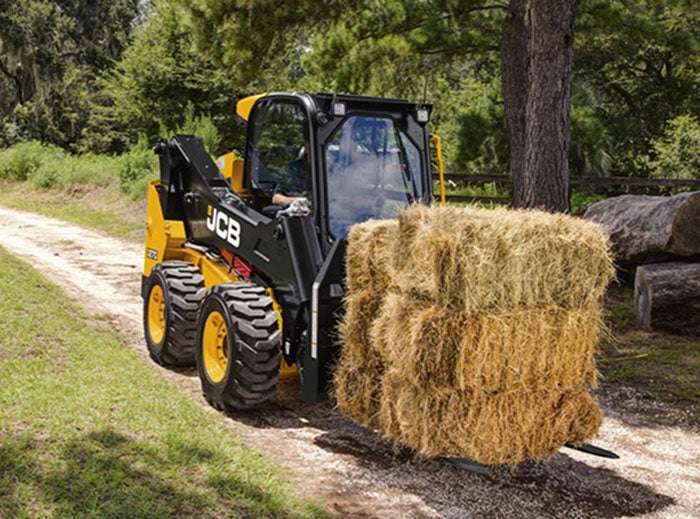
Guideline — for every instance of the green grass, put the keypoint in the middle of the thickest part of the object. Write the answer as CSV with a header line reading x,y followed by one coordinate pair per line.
x,y
663,364
579,198
490,190
50,167
87,429
104,209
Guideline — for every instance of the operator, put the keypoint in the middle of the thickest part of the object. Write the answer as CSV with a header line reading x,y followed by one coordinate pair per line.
x,y
292,185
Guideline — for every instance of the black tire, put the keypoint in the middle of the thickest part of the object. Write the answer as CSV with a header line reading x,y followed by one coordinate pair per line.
x,y
252,345
183,289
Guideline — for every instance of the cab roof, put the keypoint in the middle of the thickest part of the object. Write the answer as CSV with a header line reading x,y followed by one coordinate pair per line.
x,y
245,105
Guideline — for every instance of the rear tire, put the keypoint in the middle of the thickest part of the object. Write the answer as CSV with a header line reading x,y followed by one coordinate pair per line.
x,y
238,346
174,294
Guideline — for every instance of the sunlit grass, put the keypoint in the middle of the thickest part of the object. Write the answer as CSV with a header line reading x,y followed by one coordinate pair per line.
x,y
87,429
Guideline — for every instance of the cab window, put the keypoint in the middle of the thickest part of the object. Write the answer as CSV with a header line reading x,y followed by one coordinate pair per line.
x,y
372,170
279,151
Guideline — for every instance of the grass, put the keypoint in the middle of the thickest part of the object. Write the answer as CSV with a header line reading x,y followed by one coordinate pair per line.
x,y
103,208
580,199
88,429
663,364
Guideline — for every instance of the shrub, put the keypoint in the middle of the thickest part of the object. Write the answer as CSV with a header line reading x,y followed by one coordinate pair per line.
x,y
21,160
138,163
139,188
73,170
10,133
677,153
203,127
581,199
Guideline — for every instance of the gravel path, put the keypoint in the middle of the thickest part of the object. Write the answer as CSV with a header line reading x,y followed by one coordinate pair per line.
x,y
351,469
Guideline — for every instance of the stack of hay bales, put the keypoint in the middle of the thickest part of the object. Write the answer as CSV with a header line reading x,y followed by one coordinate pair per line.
x,y
472,332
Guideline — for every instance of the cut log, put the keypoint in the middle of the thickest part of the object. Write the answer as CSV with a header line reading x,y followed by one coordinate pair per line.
x,y
649,229
667,295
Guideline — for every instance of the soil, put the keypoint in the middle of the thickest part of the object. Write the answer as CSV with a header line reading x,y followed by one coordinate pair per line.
x,y
351,469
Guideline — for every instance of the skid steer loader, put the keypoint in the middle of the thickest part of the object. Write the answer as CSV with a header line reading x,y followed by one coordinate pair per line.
x,y
244,260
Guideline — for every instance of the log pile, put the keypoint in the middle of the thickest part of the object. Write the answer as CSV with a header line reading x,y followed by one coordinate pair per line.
x,y
650,229
667,295
660,237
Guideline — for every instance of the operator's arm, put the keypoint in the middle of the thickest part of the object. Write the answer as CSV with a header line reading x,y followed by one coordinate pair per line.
x,y
280,199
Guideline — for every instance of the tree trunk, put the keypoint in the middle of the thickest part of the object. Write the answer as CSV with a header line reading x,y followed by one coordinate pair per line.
x,y
648,229
514,71
667,295
536,61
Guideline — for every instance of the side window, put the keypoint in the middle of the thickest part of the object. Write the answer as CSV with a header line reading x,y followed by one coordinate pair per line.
x,y
280,149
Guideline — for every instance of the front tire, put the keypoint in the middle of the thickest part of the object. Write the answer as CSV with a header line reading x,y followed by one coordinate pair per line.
x,y
174,294
238,346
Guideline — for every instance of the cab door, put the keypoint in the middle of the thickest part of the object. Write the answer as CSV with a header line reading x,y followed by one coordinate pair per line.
x,y
279,157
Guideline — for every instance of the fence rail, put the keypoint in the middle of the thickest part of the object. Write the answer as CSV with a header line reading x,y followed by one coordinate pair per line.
x,y
596,183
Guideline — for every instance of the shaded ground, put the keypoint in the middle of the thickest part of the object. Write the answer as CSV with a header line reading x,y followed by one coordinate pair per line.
x,y
665,365
350,468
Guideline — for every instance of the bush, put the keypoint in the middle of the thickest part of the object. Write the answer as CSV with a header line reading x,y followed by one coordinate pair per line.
x,y
10,133
677,153
135,165
581,199
21,160
73,170
203,127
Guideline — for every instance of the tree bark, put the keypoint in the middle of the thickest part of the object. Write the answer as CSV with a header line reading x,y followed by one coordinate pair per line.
x,y
514,73
667,295
649,229
536,62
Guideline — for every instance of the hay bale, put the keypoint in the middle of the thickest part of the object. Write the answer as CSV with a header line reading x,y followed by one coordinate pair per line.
x,y
357,379
474,259
370,254
472,332
357,389
500,428
533,348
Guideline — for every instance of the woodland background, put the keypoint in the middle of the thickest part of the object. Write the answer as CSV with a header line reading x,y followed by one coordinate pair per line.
x,y
106,77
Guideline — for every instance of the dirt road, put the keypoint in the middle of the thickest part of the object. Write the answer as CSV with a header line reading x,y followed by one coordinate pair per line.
x,y
350,468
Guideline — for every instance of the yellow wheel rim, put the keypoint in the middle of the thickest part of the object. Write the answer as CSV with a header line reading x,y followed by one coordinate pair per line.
x,y
156,314
215,346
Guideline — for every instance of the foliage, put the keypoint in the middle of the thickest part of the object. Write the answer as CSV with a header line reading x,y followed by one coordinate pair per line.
x,y
591,144
65,171
93,76
642,62
50,167
50,53
134,166
203,127
472,124
677,153
581,199
162,83
19,162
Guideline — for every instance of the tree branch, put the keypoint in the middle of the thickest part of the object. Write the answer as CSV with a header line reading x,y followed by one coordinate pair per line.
x,y
15,80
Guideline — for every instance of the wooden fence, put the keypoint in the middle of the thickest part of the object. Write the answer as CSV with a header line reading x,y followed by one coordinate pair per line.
x,y
608,185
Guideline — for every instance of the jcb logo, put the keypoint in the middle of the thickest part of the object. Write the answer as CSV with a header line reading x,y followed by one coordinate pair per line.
x,y
224,226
